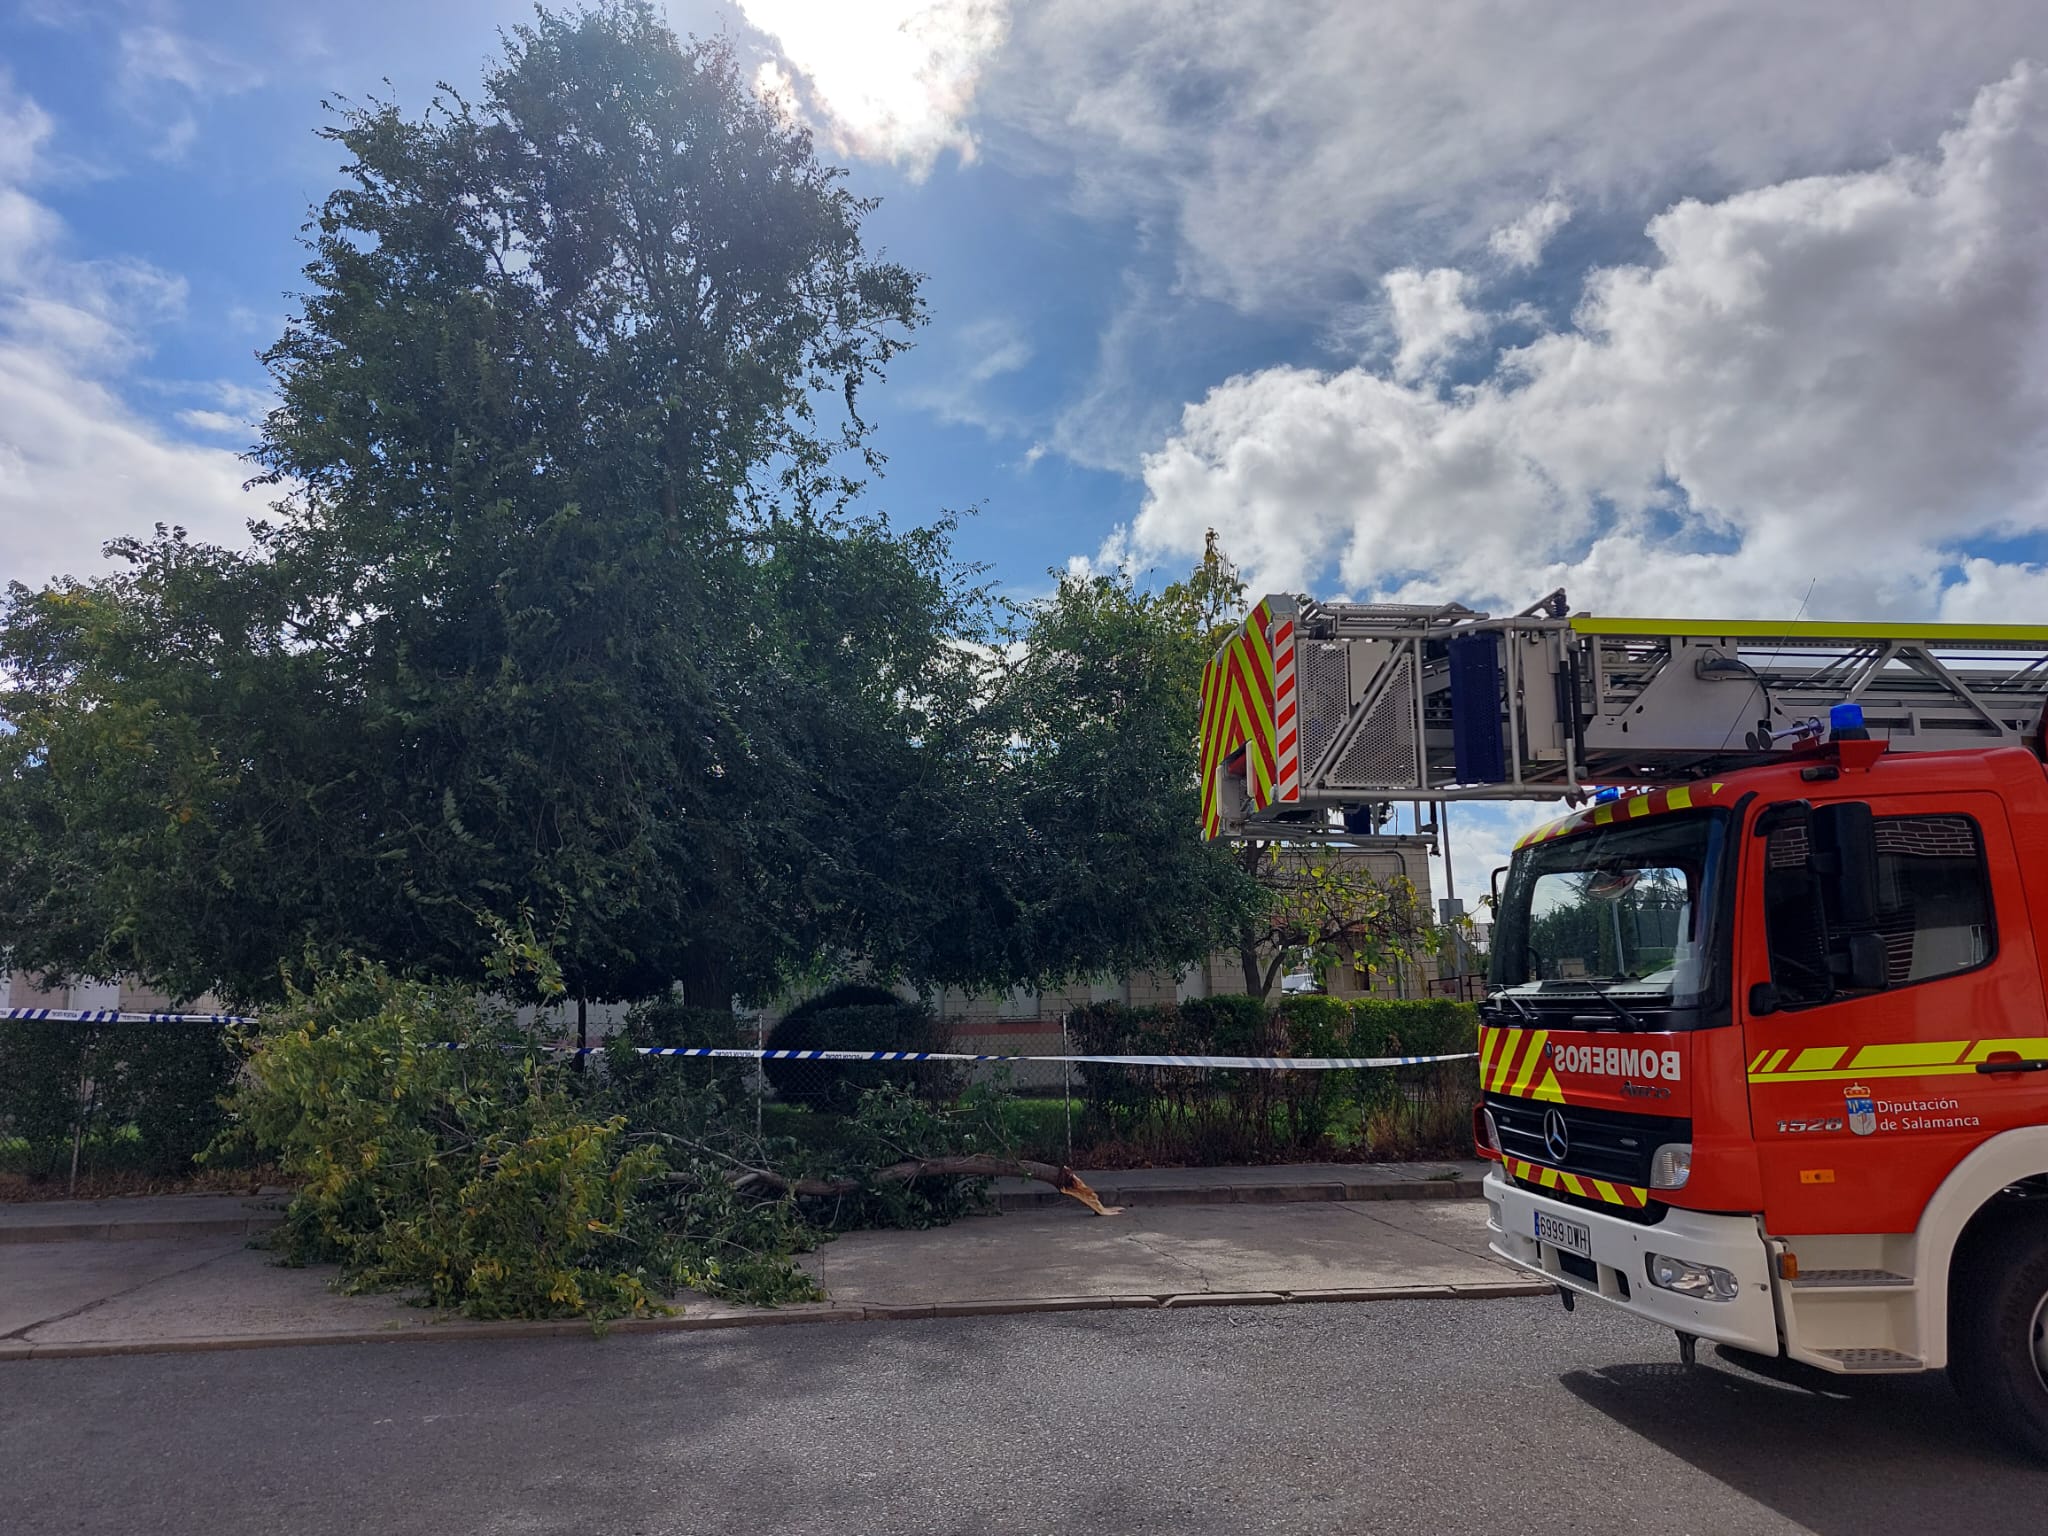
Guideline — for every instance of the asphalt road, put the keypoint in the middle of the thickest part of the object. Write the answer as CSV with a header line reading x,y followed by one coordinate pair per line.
x,y
1412,1417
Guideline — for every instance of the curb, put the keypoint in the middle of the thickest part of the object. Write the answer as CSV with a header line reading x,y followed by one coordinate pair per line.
x,y
824,1312
137,1231
1249,1194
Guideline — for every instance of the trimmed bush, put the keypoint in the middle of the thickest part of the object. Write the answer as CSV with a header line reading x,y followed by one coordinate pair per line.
x,y
851,1018
1193,1115
1411,1111
1427,1026
1313,1025
138,1097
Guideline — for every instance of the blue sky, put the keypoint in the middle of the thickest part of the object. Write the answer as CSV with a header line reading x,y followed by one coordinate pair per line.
x,y
1707,307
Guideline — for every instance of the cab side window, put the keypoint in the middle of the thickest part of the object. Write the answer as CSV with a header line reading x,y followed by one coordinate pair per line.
x,y
1934,907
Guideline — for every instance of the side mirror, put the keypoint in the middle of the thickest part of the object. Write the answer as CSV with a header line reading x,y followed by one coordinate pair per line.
x,y
1763,1000
1858,963
1845,856
1786,813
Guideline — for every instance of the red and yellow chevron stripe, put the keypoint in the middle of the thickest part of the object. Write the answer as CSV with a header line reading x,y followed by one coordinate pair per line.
x,y
1286,720
1629,1196
1512,1062
1238,693
1629,807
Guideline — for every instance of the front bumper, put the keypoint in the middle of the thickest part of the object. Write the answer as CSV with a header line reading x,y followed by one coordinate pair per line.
x,y
1620,1263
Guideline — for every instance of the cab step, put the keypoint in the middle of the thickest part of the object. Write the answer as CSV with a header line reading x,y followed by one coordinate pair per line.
x,y
1857,1360
1849,1280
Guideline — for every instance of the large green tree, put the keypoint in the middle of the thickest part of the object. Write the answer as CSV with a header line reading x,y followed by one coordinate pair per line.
x,y
563,616
1099,820
1103,702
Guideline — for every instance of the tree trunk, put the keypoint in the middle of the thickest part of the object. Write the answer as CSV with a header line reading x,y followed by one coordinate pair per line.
x,y
707,980
1255,983
1273,970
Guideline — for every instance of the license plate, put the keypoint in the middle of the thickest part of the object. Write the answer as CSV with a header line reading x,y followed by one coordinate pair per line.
x,y
1568,1235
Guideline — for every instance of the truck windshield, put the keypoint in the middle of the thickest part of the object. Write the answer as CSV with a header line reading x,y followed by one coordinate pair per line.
x,y
1626,910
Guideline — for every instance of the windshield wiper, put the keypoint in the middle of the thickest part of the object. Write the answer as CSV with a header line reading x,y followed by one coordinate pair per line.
x,y
1517,1004
1626,1016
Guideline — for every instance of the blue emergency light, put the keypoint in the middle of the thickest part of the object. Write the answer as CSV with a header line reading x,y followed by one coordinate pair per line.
x,y
1845,723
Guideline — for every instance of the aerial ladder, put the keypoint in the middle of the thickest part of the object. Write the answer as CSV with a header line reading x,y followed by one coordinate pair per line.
x,y
1318,717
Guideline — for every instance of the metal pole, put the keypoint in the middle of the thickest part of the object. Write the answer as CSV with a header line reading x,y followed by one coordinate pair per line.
x,y
1067,1099
1443,838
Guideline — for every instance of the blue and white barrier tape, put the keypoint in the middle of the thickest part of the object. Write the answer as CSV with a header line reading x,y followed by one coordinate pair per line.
x,y
114,1016
1224,1063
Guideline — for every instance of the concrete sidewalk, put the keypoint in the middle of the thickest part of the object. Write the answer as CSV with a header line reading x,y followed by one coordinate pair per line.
x,y
151,1217
87,1297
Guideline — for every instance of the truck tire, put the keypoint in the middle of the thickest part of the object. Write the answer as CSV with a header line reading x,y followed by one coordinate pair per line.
x,y
1998,1325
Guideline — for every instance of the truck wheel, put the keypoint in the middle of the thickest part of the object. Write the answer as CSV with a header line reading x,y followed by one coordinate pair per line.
x,y
1998,1326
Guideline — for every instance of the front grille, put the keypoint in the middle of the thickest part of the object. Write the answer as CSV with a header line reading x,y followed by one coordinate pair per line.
x,y
1603,1143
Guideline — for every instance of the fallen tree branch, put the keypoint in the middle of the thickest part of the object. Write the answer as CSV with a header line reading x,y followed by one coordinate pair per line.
x,y
1065,1180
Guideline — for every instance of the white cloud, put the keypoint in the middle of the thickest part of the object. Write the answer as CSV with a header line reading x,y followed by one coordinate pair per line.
x,y
1430,317
214,421
994,347
77,465
1832,381
886,79
1520,243
974,356
78,468
1993,593
1298,148
1482,836
163,77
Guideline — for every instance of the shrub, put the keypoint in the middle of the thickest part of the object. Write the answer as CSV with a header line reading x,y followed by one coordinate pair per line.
x,y
1314,1025
144,1097
1417,1109
471,1173
1196,1115
857,1017
666,1021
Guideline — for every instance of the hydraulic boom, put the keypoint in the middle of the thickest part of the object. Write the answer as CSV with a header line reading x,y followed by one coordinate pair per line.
x,y
1314,714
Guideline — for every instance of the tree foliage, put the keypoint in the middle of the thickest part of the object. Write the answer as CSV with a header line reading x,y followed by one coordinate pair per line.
x,y
569,618
565,612
439,1147
1100,817
1326,908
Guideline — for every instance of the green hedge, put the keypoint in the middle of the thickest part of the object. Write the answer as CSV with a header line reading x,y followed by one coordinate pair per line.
x,y
134,1097
857,1017
1197,1115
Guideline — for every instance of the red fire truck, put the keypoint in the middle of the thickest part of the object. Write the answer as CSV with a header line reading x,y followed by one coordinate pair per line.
x,y
1764,1058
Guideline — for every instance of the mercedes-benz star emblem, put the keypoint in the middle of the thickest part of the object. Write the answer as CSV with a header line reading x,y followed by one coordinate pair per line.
x,y
1555,1136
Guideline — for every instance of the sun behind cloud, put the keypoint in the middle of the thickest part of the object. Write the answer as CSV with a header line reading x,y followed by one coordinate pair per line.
x,y
885,80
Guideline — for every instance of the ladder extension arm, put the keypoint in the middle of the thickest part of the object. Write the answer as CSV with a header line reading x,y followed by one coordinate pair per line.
x,y
1311,709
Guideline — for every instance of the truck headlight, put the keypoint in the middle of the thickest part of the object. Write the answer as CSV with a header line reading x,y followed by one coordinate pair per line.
x,y
1671,1166
1702,1282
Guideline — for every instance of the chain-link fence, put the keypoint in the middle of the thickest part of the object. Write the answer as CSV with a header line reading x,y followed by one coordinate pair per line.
x,y
116,1097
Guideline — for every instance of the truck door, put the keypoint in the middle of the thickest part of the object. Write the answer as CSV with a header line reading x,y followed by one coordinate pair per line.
x,y
1864,1088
